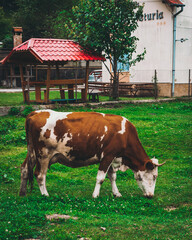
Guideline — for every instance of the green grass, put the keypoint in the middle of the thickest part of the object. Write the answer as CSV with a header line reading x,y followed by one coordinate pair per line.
x,y
16,99
165,132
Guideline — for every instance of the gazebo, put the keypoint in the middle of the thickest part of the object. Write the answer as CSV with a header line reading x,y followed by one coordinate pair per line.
x,y
51,53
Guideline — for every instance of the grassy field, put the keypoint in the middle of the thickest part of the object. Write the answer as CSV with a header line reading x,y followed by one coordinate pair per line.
x,y
165,132
16,99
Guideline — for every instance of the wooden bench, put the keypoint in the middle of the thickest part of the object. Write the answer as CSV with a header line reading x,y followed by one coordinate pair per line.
x,y
100,87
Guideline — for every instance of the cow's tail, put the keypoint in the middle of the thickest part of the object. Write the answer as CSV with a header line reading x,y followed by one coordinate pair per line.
x,y
31,160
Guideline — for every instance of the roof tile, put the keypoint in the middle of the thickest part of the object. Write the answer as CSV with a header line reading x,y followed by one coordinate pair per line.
x,y
56,50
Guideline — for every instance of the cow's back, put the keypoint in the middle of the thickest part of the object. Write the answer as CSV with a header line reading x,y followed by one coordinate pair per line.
x,y
77,135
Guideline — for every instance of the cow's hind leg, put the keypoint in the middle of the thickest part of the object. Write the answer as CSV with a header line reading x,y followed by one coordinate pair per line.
x,y
40,174
27,173
24,177
112,176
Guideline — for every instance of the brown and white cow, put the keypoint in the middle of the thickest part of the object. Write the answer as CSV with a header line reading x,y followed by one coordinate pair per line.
x,y
80,139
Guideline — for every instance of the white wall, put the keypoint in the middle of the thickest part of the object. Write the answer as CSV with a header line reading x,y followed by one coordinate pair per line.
x,y
184,50
156,35
105,72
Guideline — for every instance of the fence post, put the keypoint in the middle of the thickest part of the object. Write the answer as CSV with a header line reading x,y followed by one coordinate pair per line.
x,y
155,85
189,85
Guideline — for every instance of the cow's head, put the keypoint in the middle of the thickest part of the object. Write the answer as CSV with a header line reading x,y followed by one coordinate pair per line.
x,y
147,179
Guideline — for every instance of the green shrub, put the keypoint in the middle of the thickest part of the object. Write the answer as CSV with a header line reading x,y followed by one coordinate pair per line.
x,y
26,111
14,111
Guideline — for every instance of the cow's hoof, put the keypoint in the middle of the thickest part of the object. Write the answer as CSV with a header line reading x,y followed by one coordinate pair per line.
x,y
95,196
117,195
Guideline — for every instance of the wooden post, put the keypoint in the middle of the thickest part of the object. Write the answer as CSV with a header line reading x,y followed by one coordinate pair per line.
x,y
189,85
36,73
70,91
155,85
11,76
48,84
76,73
62,92
86,81
25,93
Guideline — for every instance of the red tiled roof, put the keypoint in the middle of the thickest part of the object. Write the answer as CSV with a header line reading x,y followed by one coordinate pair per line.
x,y
174,2
45,50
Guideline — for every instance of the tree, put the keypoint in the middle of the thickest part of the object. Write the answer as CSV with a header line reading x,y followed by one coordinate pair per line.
x,y
5,26
37,18
107,26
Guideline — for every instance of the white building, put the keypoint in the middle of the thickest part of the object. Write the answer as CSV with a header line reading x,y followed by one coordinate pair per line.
x,y
156,33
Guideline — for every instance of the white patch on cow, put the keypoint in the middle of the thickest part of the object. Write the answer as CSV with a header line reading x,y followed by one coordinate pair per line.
x,y
101,145
94,158
100,178
51,122
147,180
112,176
43,187
105,131
117,165
123,168
102,155
154,161
101,139
102,114
117,162
123,125
61,145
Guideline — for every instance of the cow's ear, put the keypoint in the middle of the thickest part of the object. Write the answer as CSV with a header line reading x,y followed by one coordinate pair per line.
x,y
149,165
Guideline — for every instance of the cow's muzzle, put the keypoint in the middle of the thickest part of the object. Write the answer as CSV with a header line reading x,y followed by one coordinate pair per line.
x,y
149,196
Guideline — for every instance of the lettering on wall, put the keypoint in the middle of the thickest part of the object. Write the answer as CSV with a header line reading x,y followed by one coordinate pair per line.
x,y
152,16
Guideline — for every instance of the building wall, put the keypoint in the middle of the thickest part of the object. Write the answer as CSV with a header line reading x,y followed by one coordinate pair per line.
x,y
181,89
155,33
156,37
184,50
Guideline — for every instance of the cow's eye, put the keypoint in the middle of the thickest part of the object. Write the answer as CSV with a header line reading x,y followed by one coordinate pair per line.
x,y
154,178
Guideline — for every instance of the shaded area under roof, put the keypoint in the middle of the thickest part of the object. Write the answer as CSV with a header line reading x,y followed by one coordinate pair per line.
x,y
40,50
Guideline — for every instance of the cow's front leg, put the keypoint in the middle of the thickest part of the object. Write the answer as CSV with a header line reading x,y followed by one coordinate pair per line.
x,y
100,179
112,176
103,169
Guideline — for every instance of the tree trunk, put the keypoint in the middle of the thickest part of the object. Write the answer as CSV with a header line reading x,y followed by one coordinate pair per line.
x,y
115,91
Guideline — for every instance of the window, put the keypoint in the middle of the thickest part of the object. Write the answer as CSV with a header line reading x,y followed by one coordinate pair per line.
x,y
123,67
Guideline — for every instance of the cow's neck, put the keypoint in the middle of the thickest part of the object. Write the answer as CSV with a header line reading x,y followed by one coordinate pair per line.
x,y
135,155
135,164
